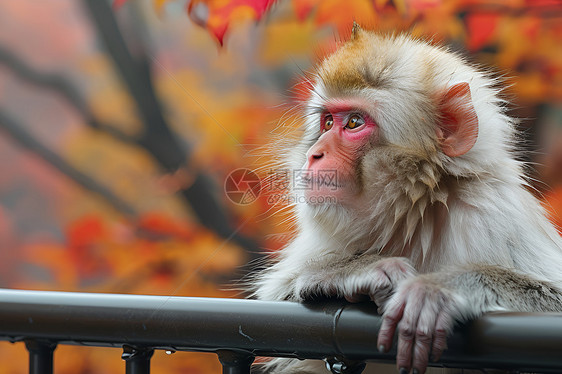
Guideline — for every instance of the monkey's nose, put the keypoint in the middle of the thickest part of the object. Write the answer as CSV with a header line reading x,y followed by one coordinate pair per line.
x,y
314,157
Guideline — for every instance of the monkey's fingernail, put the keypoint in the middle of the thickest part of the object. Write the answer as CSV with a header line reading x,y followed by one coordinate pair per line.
x,y
381,348
403,371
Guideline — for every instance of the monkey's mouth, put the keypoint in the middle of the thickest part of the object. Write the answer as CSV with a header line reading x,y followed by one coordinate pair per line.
x,y
319,184
330,184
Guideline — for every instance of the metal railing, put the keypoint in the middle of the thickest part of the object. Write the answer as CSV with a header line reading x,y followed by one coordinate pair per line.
x,y
239,330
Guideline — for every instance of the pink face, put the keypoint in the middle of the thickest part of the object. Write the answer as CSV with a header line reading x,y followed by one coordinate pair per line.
x,y
331,161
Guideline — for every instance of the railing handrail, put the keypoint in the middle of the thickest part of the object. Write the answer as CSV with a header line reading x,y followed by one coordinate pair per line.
x,y
519,341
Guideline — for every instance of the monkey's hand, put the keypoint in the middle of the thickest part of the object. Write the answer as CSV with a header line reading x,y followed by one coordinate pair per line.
x,y
423,311
362,278
378,281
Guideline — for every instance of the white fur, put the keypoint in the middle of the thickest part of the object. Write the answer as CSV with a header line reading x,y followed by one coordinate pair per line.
x,y
446,216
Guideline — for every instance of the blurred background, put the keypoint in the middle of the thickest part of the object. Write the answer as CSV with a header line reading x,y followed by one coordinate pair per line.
x,y
120,122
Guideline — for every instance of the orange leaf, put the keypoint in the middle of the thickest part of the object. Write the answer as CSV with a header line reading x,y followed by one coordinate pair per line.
x,y
158,4
553,205
400,6
217,15
380,4
342,14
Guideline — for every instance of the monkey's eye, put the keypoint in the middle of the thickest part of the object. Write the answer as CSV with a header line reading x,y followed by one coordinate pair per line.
x,y
354,122
328,123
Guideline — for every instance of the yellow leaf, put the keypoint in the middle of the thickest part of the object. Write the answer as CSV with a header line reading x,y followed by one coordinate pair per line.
x,y
158,5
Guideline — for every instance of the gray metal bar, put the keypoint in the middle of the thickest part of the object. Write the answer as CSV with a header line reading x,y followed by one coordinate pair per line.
x,y
515,341
40,356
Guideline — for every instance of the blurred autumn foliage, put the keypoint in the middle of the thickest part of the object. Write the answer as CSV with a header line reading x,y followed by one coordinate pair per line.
x,y
118,129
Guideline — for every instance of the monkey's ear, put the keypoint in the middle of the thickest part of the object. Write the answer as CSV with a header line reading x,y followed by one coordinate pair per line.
x,y
457,128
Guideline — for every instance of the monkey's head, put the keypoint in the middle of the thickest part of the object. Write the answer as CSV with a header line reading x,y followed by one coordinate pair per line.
x,y
392,123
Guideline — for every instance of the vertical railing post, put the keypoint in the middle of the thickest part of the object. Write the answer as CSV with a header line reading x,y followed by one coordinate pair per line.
x,y
40,356
340,366
235,362
137,360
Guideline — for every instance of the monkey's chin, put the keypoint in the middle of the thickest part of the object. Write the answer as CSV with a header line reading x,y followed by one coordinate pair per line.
x,y
324,196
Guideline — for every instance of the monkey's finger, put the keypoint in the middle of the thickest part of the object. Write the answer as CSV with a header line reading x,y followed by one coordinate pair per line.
x,y
357,294
425,334
383,290
408,328
381,298
442,326
401,270
381,295
378,280
390,319
359,288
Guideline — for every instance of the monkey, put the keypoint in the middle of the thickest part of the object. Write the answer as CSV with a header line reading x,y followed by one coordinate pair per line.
x,y
427,211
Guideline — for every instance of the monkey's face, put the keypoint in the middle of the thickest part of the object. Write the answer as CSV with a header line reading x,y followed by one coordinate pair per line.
x,y
331,165
385,123
363,107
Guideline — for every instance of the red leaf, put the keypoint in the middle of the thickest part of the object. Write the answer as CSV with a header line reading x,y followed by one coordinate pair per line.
x,y
118,4
86,236
424,5
160,224
481,27
542,3
86,231
217,15
303,8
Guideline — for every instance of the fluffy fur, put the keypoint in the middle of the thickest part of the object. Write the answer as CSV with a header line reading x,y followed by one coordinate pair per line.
x,y
453,237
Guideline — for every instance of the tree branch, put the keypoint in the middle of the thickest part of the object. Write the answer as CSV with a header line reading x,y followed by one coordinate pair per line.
x,y
62,86
158,139
16,132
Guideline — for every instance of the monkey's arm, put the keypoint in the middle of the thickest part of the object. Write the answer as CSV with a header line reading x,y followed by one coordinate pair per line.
x,y
424,308
354,278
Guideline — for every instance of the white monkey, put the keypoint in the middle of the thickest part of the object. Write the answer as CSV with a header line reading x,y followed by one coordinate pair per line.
x,y
413,199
